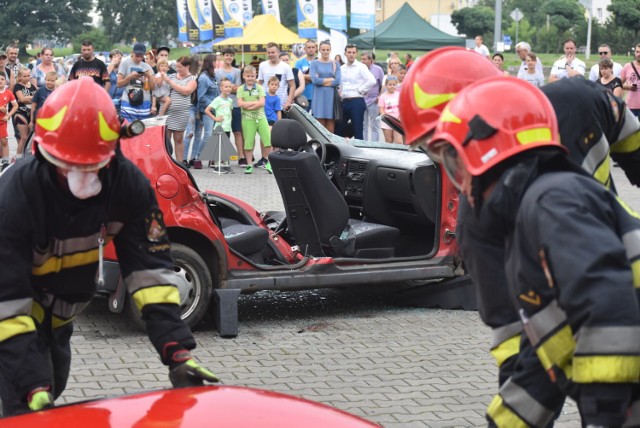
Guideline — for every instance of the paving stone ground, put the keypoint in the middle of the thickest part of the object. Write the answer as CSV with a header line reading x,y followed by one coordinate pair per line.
x,y
354,350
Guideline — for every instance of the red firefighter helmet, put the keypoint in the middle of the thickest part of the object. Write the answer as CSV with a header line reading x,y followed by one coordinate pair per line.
x,y
432,82
78,126
490,121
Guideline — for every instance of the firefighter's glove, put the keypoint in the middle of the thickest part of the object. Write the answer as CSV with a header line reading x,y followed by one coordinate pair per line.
x,y
39,399
604,404
190,373
183,370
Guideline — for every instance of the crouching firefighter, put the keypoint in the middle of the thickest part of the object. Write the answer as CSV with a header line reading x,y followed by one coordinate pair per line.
x,y
571,248
57,211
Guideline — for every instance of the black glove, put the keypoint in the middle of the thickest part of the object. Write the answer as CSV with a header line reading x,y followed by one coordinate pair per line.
x,y
190,374
604,404
183,370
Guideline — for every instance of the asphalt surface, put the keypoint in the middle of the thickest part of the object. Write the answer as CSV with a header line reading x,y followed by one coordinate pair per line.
x,y
355,350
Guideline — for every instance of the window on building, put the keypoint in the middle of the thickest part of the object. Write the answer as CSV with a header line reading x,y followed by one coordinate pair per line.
x,y
599,13
378,4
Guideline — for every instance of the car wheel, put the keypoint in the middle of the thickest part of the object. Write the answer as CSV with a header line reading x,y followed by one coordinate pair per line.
x,y
194,285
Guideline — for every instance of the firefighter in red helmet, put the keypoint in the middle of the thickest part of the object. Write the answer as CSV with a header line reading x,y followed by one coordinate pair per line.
x,y
571,249
59,208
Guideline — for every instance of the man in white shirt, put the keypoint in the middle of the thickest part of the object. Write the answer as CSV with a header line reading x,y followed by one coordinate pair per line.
x,y
356,82
282,70
480,48
604,51
522,49
568,65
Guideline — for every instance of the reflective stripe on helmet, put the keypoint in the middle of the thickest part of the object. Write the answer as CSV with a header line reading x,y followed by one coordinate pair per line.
x,y
52,123
425,100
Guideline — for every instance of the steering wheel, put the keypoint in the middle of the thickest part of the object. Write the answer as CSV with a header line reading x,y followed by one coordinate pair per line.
x,y
316,147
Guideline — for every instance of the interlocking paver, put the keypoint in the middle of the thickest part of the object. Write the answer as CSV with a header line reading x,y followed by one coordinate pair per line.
x,y
400,367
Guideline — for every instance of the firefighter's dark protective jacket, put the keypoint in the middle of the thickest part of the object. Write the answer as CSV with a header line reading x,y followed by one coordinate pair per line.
x,y
573,267
593,124
49,259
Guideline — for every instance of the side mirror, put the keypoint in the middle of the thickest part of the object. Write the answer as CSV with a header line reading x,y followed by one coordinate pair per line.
x,y
393,122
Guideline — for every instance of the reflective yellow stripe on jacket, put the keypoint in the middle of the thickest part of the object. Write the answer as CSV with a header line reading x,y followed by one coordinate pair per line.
x,y
514,406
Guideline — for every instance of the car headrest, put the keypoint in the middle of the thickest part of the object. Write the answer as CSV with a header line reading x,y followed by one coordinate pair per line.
x,y
288,134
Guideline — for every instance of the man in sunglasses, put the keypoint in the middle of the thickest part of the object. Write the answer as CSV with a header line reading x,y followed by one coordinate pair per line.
x,y
74,196
604,51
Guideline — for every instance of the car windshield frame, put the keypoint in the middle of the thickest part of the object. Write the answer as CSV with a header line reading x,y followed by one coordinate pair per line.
x,y
317,131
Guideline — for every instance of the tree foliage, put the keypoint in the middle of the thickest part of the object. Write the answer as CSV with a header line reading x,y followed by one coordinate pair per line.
x,y
25,20
626,14
473,21
151,21
101,42
564,15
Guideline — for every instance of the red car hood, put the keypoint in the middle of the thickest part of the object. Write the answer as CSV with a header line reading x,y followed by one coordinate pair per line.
x,y
207,406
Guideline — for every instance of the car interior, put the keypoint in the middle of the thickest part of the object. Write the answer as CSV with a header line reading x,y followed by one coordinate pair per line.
x,y
344,199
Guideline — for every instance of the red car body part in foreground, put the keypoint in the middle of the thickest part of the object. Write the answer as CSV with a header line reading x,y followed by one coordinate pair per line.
x,y
207,406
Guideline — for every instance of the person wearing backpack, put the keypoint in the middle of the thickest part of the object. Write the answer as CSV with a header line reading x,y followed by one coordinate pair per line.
x,y
207,91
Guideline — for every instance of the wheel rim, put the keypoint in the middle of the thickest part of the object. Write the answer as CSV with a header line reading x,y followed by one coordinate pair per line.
x,y
190,289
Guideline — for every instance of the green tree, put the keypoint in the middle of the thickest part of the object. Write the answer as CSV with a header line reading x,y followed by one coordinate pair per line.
x,y
150,21
626,14
100,40
526,32
473,21
24,20
564,15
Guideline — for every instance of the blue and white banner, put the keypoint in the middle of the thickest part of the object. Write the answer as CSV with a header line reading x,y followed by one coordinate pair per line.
x,y
363,14
205,21
247,12
335,14
232,18
271,7
307,18
181,7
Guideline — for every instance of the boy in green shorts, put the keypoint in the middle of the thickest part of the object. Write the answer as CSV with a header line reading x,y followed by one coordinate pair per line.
x,y
251,101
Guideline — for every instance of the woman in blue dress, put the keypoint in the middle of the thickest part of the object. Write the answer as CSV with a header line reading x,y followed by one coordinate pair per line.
x,y
325,76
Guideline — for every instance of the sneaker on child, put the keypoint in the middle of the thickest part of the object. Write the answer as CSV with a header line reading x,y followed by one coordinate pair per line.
x,y
261,163
248,169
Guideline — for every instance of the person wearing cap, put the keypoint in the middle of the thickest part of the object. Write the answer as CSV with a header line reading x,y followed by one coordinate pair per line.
x,y
89,65
79,192
137,79
163,53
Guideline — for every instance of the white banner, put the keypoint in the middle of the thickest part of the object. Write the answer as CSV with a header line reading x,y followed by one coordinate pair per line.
x,y
247,12
182,20
335,14
363,14
272,8
232,18
307,18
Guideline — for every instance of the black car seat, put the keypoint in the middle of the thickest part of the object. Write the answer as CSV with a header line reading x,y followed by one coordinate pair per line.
x,y
317,214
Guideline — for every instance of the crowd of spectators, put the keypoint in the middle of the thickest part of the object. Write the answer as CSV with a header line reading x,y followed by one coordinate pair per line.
x,y
347,93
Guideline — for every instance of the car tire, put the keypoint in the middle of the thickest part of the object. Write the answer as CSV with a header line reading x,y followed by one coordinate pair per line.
x,y
193,282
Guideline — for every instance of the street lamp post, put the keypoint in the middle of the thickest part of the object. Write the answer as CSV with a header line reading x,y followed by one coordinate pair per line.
x,y
588,6
497,26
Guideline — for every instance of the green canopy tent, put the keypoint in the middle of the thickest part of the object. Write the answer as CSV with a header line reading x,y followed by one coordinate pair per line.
x,y
405,30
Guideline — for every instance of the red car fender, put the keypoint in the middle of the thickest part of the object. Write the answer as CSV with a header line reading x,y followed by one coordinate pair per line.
x,y
207,406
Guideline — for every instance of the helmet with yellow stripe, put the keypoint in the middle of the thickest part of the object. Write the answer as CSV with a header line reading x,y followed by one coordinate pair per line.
x,y
77,127
489,122
432,82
